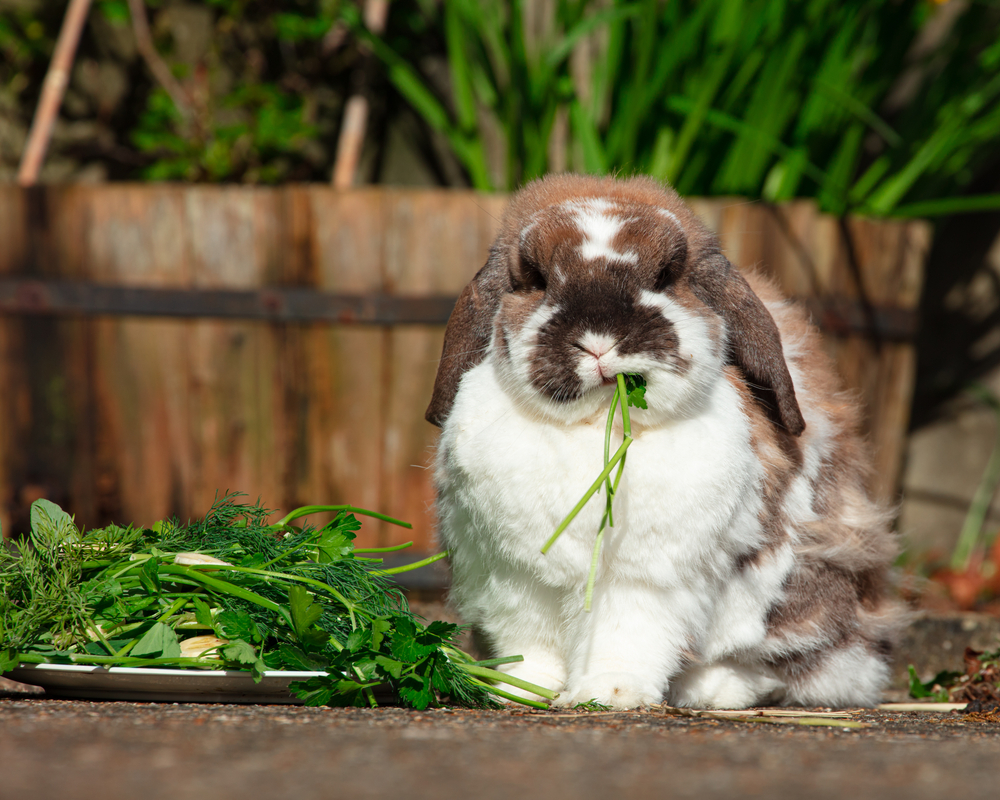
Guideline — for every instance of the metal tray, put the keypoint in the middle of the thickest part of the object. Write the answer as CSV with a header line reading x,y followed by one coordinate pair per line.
x,y
163,685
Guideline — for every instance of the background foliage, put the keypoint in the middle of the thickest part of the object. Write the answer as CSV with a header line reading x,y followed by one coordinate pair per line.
x,y
877,106
264,90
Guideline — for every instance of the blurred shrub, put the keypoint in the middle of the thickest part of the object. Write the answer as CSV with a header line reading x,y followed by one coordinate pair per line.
x,y
263,88
258,105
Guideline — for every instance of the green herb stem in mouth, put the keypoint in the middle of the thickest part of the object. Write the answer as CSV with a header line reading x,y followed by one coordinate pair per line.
x,y
630,390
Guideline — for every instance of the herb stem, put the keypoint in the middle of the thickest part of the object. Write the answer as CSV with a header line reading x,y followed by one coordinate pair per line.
x,y
392,549
618,456
623,393
351,607
589,595
496,662
503,677
305,511
414,565
607,450
227,588
511,696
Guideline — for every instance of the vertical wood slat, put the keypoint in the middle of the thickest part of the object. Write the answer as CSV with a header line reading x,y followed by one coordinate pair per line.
x,y
347,365
140,236
163,413
435,242
14,405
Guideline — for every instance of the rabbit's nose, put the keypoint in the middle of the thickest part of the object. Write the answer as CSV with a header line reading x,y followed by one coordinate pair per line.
x,y
596,344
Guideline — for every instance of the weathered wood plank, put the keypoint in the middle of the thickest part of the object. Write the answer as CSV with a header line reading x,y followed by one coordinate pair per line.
x,y
237,435
140,236
891,257
434,243
345,367
14,399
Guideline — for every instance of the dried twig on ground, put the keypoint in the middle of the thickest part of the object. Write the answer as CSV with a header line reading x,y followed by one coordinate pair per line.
x,y
832,719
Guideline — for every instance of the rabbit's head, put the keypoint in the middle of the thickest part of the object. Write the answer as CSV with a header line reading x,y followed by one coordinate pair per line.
x,y
593,277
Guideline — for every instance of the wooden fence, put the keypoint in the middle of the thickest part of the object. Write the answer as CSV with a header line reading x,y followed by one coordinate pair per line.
x,y
157,344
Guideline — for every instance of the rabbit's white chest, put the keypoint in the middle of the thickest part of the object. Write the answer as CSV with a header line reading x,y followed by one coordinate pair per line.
x,y
686,502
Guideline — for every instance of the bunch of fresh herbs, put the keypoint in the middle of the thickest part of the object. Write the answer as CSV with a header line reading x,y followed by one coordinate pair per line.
x,y
232,591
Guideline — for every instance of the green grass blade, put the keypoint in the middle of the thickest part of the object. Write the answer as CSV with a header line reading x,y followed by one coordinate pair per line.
x,y
949,205
458,62
585,132
695,119
564,46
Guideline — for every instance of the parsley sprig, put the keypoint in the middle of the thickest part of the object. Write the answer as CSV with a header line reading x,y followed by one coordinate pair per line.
x,y
630,391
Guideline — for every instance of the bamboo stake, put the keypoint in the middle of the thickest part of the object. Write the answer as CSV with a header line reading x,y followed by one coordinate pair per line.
x,y
352,130
53,90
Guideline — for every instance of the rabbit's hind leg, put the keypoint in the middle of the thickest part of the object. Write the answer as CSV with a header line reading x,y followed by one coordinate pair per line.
x,y
848,675
725,684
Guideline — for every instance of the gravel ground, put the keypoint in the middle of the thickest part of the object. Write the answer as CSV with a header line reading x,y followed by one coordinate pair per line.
x,y
75,749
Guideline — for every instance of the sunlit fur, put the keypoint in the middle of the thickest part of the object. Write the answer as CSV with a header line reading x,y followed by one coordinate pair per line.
x,y
723,524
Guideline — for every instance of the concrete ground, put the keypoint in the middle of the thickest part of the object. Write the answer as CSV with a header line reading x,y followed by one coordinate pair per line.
x,y
103,750
107,750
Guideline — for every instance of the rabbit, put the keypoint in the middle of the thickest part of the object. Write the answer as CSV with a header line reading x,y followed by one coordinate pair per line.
x,y
748,564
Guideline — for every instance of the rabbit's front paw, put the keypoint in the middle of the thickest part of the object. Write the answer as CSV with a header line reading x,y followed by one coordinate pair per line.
x,y
548,673
618,690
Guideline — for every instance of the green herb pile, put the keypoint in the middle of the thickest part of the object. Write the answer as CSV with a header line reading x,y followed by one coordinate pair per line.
x,y
231,591
629,391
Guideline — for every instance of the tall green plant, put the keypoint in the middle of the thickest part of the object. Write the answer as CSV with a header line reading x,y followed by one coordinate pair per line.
x,y
853,103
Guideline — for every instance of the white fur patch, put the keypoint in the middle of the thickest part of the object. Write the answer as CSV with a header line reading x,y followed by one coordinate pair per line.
x,y
507,478
686,388
849,677
671,216
599,226
727,684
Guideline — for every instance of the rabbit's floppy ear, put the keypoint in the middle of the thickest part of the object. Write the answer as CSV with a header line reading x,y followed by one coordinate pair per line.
x,y
468,334
754,342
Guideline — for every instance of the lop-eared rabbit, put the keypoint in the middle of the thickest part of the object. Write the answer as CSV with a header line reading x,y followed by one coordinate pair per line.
x,y
748,563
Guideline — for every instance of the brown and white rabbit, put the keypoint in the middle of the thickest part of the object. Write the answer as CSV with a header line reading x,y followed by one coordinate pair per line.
x,y
747,562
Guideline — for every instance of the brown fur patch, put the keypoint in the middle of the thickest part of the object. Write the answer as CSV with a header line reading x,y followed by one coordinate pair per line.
x,y
839,591
781,458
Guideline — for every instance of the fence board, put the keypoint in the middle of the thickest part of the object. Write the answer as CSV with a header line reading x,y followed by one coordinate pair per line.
x,y
139,236
347,366
434,244
139,418
14,399
234,370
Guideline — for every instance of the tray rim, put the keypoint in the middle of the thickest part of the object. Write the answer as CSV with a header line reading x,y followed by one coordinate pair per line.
x,y
160,684
167,671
